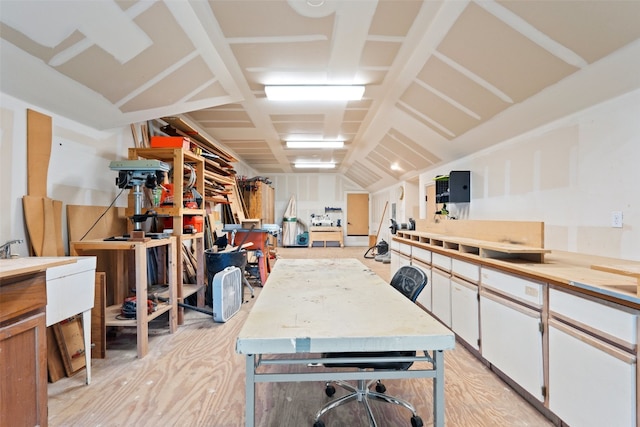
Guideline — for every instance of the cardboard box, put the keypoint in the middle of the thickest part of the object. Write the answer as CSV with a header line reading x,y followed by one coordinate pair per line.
x,y
247,223
170,142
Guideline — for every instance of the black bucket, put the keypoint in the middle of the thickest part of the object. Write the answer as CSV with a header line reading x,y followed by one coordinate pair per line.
x,y
218,261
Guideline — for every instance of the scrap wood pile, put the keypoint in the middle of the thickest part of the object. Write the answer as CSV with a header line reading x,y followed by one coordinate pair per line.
x,y
219,175
190,265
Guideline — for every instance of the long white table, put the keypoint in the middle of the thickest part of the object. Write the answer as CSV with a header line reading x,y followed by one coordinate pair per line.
x,y
314,306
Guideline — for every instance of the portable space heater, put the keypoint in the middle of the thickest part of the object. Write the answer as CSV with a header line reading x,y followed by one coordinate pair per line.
x,y
227,293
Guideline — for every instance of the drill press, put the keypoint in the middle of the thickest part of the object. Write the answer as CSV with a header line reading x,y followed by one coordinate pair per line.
x,y
133,174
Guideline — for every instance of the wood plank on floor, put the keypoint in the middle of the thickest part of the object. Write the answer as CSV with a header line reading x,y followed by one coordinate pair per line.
x,y
194,378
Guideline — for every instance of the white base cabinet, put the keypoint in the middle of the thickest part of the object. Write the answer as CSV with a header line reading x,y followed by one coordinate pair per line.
x,y
464,311
583,368
511,340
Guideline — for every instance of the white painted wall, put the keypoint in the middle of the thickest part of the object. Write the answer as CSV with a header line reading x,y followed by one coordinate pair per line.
x,y
313,192
571,174
78,169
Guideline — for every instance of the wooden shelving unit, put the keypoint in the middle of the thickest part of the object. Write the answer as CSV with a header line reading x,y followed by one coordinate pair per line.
x,y
178,158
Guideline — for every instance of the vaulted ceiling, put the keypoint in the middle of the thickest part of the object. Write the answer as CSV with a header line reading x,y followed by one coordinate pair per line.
x,y
443,78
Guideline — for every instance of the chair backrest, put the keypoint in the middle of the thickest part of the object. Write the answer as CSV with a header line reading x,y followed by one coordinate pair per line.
x,y
409,280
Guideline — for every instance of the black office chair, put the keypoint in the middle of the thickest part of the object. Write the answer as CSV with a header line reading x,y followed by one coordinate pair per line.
x,y
410,281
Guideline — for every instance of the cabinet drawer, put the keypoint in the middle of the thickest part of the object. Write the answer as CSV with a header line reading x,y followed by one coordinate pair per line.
x,y
395,245
405,249
21,295
613,322
421,254
465,270
442,261
519,288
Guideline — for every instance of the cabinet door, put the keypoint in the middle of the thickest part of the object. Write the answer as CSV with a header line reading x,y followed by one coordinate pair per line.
x,y
591,383
464,311
511,340
441,295
23,370
424,298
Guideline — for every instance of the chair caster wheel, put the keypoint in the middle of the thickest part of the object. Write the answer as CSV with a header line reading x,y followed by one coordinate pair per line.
x,y
380,388
416,421
318,424
329,391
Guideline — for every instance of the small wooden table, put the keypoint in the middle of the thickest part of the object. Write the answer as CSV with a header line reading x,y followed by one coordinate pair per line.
x,y
139,249
325,234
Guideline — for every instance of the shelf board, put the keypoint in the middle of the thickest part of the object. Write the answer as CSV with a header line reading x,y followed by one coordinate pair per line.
x,y
112,312
189,289
481,248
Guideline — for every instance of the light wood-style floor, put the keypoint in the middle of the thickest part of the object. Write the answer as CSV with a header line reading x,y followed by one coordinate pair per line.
x,y
194,378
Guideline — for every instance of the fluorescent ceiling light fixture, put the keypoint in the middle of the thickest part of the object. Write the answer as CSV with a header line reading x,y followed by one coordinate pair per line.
x,y
314,165
315,144
314,93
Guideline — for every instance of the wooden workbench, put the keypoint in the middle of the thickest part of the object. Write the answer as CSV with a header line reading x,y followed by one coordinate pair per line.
x,y
325,234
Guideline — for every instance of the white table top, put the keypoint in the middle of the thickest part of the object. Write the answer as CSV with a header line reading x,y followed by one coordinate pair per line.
x,y
335,305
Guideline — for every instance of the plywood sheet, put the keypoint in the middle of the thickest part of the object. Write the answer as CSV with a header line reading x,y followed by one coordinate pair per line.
x,y
55,367
80,219
71,344
39,136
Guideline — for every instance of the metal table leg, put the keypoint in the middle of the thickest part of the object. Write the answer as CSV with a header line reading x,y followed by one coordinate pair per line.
x,y
250,391
438,389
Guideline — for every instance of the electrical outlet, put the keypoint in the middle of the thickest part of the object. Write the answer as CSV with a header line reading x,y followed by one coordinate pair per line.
x,y
616,219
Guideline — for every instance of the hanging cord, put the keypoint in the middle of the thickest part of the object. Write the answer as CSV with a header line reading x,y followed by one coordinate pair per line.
x,y
192,176
103,214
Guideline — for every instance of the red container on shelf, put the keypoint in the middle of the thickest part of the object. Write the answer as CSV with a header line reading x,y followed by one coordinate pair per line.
x,y
190,224
170,142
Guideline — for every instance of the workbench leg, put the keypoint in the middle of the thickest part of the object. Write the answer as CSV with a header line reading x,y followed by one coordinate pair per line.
x,y
86,332
438,389
142,327
249,412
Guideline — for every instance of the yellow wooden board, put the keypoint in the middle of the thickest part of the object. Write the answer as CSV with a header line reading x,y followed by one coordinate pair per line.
x,y
39,136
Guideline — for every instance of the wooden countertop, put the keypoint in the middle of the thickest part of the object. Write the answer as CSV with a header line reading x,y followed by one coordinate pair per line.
x,y
580,272
27,265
